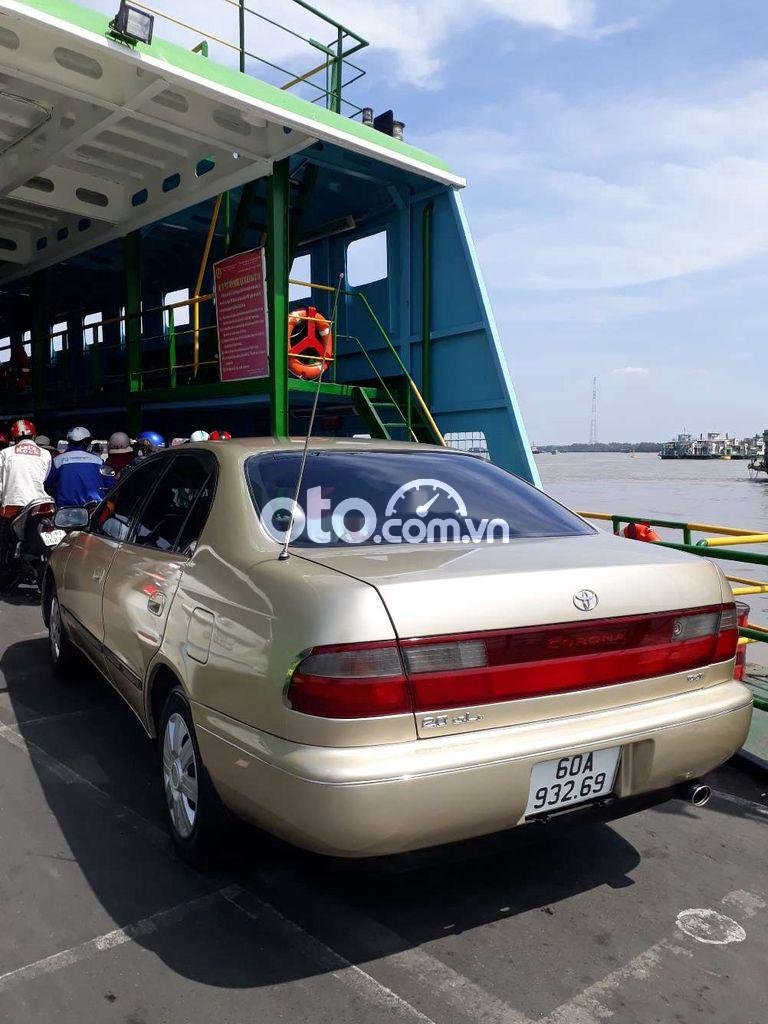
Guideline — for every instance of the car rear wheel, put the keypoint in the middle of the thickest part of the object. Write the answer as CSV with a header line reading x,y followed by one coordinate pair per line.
x,y
60,647
196,816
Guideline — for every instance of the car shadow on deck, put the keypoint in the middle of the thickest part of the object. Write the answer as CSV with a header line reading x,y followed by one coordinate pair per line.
x,y
362,912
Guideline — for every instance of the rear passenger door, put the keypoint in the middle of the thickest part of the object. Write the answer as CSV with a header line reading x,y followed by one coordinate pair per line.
x,y
146,570
90,557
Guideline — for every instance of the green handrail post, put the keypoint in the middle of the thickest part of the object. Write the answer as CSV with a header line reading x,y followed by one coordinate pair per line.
x,y
616,525
687,535
337,72
241,28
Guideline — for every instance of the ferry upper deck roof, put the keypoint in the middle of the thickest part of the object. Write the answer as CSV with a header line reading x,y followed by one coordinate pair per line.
x,y
98,138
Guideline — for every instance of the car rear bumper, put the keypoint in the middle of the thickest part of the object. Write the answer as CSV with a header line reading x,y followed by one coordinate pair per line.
x,y
390,798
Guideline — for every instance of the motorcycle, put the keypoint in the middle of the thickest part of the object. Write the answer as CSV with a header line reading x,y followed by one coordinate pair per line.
x,y
32,536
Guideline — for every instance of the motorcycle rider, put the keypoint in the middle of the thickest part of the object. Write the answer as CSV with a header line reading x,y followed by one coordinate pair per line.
x,y
43,441
24,467
121,454
147,442
76,478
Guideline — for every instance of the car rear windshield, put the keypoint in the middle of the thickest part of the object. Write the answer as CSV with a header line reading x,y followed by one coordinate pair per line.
x,y
400,498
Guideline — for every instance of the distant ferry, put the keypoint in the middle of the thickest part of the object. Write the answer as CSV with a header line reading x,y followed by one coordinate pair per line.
x,y
714,446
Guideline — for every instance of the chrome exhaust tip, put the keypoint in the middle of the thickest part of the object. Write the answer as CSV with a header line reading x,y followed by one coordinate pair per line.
x,y
697,793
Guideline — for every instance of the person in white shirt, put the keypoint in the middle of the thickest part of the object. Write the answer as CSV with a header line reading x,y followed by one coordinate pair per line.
x,y
24,465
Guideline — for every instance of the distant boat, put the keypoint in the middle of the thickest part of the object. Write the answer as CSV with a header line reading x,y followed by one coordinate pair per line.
x,y
554,452
535,450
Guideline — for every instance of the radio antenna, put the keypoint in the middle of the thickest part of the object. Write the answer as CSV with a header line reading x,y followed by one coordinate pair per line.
x,y
284,554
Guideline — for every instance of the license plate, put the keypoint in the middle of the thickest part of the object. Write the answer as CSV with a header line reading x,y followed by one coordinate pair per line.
x,y
52,537
572,780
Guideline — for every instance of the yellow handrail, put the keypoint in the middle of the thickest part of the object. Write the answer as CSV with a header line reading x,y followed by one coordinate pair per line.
x,y
746,538
199,282
312,284
728,531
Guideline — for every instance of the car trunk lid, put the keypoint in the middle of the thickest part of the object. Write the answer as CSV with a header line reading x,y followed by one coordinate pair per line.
x,y
569,625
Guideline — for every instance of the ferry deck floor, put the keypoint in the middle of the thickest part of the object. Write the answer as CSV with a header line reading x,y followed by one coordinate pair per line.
x,y
101,922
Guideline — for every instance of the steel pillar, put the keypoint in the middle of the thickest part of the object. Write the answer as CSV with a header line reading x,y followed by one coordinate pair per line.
x,y
132,272
40,337
278,243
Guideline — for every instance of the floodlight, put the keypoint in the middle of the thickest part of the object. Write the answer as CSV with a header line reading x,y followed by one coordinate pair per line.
x,y
132,24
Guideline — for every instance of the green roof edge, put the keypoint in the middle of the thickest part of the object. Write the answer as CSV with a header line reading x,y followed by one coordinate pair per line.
x,y
185,60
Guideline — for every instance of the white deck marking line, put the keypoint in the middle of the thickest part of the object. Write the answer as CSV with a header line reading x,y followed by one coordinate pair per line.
x,y
119,937
444,986
120,811
348,973
740,801
588,1007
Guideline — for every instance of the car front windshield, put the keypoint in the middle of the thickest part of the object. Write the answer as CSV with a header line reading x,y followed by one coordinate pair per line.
x,y
400,497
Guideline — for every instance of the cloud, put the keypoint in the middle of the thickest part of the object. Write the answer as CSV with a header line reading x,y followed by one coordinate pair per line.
x,y
418,34
594,308
586,196
630,372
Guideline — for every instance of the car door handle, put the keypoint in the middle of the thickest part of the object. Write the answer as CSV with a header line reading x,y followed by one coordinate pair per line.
x,y
98,575
156,603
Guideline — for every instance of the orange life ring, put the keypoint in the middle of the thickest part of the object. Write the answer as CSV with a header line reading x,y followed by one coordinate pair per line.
x,y
309,334
641,531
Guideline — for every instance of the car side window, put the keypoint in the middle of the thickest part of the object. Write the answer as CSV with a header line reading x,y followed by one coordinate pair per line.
x,y
161,521
113,516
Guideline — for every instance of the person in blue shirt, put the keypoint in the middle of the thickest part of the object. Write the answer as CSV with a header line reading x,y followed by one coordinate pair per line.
x,y
76,477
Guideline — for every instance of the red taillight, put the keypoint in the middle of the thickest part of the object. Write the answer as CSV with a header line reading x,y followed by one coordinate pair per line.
x,y
742,617
351,681
426,674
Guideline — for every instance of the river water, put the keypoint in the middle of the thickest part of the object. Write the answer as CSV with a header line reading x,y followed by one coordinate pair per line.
x,y
718,492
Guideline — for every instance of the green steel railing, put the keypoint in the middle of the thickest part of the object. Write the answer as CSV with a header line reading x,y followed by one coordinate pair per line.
x,y
334,55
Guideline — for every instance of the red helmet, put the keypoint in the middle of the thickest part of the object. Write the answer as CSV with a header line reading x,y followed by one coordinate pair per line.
x,y
23,429
220,435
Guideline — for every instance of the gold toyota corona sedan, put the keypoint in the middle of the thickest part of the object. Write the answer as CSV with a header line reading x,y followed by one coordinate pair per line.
x,y
390,647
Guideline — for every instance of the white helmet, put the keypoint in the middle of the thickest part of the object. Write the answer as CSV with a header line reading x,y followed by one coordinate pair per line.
x,y
199,435
79,435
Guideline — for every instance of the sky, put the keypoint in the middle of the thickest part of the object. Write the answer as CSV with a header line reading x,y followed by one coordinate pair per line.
x,y
616,153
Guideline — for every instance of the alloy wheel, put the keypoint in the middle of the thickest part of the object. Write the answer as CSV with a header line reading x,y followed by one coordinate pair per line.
x,y
54,630
180,775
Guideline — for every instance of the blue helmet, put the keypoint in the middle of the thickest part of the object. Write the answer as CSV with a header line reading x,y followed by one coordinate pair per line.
x,y
152,438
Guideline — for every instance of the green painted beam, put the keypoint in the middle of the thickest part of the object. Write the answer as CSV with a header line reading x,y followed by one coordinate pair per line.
x,y
335,390
278,244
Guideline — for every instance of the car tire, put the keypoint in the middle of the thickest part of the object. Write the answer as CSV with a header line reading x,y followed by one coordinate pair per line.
x,y
196,816
60,648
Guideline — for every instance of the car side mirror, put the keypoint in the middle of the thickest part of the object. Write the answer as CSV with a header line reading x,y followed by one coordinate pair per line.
x,y
71,519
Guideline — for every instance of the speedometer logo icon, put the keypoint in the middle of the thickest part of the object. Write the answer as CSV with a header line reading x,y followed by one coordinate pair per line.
x,y
418,496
